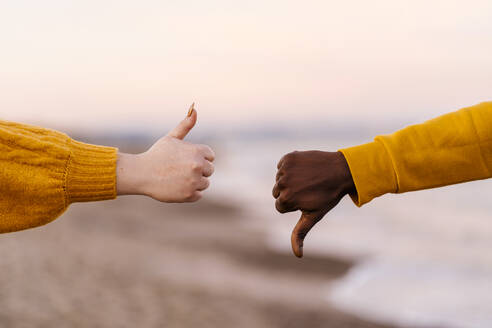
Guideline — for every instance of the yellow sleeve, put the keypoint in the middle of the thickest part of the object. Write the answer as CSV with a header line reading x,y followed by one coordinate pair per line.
x,y
450,149
43,171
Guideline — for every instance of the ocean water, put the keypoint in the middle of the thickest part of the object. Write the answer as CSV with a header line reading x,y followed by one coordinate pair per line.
x,y
424,258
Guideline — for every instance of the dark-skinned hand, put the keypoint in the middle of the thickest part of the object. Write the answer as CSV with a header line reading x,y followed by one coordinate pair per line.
x,y
312,182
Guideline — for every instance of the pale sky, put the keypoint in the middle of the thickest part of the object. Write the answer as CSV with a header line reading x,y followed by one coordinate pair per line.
x,y
100,63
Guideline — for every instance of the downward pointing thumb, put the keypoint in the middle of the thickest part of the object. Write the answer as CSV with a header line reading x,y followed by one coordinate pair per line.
x,y
305,223
185,126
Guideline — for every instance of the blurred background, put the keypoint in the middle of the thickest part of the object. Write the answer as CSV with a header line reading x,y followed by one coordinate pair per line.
x,y
268,77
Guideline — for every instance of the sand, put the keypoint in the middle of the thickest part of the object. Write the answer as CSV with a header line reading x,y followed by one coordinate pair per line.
x,y
135,262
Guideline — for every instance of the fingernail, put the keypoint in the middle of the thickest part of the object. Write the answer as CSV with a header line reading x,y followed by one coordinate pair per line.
x,y
190,111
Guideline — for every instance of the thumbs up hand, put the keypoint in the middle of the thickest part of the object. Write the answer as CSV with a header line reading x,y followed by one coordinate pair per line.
x,y
172,170
312,182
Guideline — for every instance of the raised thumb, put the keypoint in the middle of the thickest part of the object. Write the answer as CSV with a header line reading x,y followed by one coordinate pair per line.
x,y
305,223
185,126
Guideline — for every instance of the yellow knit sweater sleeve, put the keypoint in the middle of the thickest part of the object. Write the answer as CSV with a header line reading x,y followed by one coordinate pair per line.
x,y
450,149
43,171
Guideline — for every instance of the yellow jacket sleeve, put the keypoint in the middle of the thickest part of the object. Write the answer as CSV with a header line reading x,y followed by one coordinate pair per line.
x,y
43,171
453,148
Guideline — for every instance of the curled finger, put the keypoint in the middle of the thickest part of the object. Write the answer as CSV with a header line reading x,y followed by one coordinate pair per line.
x,y
280,173
277,188
207,152
208,169
203,184
284,206
197,195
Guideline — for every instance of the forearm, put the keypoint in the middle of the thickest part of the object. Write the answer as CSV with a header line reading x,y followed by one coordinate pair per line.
x,y
43,171
453,148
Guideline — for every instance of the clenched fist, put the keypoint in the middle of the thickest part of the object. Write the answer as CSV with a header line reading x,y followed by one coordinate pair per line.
x,y
313,182
172,170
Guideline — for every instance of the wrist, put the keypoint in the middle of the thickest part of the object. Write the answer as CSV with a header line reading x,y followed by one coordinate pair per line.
x,y
129,179
348,185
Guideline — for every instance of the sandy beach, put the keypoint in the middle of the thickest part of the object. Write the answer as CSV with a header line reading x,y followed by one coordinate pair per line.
x,y
135,262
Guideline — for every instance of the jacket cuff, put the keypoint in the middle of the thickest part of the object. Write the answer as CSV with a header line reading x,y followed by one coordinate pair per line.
x,y
91,173
372,171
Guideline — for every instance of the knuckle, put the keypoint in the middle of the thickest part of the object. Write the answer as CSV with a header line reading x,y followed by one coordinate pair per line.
x,y
287,195
196,150
279,185
202,184
196,166
193,185
283,199
188,194
194,197
190,183
207,152
282,182
278,206
281,207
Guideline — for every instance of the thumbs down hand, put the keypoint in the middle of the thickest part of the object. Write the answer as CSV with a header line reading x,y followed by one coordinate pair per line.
x,y
312,182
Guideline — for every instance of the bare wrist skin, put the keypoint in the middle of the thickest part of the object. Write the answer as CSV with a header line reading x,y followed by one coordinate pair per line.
x,y
349,185
313,182
128,179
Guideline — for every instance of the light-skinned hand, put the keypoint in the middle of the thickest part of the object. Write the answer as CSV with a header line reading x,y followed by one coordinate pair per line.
x,y
171,171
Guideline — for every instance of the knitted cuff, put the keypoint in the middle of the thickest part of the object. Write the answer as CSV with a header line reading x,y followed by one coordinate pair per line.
x,y
91,173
